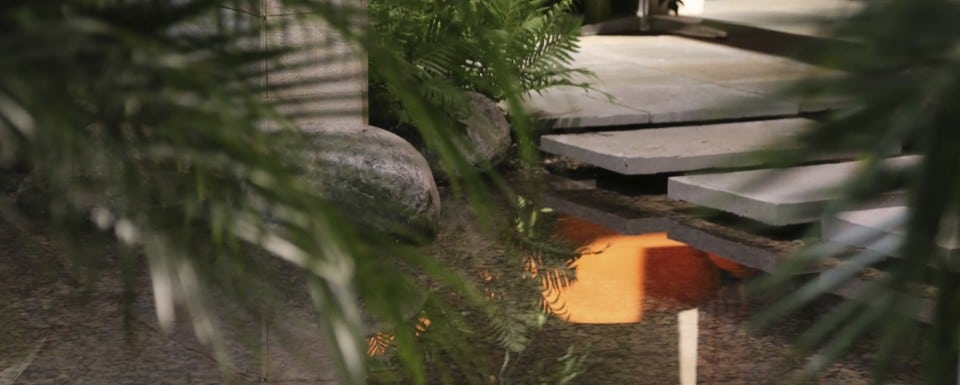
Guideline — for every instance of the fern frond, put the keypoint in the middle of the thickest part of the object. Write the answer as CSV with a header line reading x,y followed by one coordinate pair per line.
x,y
459,40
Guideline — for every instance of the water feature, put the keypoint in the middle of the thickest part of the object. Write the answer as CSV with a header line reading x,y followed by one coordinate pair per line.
x,y
650,310
622,278
670,314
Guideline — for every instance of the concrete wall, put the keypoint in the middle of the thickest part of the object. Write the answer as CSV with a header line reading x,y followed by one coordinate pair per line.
x,y
324,82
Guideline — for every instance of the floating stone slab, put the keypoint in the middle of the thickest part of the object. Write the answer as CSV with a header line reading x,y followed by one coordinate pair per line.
x,y
683,60
570,108
687,100
666,79
806,18
768,255
762,257
880,230
591,206
855,287
777,196
677,149
633,215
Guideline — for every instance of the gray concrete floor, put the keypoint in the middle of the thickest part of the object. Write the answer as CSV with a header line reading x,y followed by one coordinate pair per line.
x,y
811,18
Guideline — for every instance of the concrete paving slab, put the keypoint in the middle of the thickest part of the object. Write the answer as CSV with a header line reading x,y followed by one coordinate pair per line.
x,y
824,103
790,16
677,149
880,229
770,259
762,86
776,196
736,65
680,60
616,221
613,73
748,71
632,215
782,88
759,258
637,86
854,289
692,58
674,79
700,102
573,108
655,51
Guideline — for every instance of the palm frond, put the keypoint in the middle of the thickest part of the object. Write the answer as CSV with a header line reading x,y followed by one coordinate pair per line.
x,y
145,121
910,45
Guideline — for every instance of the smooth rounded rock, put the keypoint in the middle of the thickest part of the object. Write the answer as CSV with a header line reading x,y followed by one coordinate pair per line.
x,y
485,135
374,176
487,130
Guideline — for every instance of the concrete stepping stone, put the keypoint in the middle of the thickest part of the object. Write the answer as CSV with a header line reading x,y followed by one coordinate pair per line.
x,y
677,149
807,18
666,79
879,229
777,197
591,206
687,100
750,255
571,108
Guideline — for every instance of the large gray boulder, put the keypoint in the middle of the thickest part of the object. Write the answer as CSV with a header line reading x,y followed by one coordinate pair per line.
x,y
374,176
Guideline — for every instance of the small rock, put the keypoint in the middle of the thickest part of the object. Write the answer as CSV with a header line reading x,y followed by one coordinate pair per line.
x,y
486,132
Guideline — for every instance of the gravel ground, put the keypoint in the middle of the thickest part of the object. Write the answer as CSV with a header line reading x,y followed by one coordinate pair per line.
x,y
67,333
59,330
647,352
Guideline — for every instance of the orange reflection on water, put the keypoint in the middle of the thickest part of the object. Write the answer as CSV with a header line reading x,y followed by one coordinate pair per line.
x,y
379,343
621,276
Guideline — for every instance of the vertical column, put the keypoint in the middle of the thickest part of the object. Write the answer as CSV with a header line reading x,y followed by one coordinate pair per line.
x,y
324,82
688,328
365,80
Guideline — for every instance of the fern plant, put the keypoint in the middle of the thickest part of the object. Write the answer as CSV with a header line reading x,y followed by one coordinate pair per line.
x,y
143,121
452,45
912,46
513,276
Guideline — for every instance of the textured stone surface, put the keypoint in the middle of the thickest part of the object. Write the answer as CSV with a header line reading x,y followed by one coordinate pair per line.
x,y
652,213
698,101
75,325
323,81
880,230
564,108
778,196
789,16
747,255
374,176
621,222
485,137
86,342
666,79
646,352
675,149
487,130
